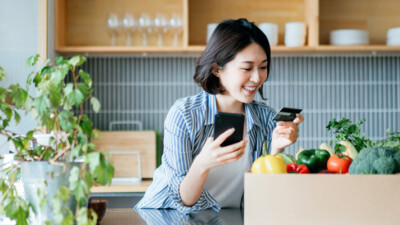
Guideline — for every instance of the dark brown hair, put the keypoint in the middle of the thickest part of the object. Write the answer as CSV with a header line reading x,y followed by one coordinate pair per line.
x,y
228,38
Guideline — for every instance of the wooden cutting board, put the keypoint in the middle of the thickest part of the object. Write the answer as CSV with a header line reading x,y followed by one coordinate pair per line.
x,y
126,165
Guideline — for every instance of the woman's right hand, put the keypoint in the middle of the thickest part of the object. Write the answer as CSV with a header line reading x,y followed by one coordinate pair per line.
x,y
213,155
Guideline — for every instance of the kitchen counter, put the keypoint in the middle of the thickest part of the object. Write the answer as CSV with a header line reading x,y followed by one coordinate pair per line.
x,y
167,217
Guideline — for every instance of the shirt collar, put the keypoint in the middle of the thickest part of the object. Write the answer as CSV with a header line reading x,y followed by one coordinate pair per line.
x,y
211,109
251,114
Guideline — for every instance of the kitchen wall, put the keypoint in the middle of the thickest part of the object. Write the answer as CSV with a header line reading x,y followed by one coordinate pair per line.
x,y
18,41
135,88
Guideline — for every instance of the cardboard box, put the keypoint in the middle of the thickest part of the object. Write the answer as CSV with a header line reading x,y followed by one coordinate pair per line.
x,y
321,199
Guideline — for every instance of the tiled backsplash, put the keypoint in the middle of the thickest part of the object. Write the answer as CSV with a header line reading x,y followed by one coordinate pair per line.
x,y
326,86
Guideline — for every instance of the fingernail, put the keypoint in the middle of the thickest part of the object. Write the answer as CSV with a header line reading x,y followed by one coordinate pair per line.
x,y
232,129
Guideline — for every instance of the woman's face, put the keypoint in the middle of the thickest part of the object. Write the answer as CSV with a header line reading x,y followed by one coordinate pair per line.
x,y
244,75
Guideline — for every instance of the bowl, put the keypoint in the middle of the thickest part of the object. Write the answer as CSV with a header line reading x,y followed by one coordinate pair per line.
x,y
393,36
349,37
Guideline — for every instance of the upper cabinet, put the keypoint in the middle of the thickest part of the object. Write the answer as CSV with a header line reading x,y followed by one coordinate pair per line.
x,y
178,26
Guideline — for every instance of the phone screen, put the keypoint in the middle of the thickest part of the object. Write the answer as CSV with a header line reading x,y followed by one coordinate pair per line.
x,y
225,121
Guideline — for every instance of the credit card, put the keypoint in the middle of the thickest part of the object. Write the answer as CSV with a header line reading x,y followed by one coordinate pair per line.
x,y
287,114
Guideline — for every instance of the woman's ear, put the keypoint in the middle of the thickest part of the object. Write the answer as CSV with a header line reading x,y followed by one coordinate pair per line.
x,y
216,69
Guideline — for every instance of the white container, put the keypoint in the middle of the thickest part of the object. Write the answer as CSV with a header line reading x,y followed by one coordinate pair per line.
x,y
210,29
271,31
295,34
393,36
349,37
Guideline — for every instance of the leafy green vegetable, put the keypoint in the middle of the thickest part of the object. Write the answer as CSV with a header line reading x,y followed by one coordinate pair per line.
x,y
344,129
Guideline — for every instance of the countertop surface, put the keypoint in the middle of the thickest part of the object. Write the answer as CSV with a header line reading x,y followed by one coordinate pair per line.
x,y
167,217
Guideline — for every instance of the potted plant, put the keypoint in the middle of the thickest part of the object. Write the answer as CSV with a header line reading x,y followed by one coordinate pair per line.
x,y
58,174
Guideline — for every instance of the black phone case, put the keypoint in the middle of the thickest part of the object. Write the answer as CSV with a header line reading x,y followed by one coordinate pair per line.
x,y
225,121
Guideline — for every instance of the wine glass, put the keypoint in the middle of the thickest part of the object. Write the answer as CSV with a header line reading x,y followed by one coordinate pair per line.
x,y
129,24
176,25
144,26
160,26
113,27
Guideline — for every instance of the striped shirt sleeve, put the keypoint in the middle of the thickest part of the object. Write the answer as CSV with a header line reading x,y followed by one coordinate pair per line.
x,y
178,157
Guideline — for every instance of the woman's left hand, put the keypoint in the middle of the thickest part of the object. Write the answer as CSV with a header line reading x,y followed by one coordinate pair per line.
x,y
285,134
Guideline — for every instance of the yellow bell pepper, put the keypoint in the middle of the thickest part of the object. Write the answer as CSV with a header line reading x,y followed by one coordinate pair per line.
x,y
269,164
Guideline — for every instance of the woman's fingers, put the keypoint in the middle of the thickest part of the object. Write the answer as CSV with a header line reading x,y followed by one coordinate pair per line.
x,y
222,137
299,119
232,147
232,156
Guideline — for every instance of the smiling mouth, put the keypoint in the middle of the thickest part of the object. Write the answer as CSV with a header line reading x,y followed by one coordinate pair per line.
x,y
250,88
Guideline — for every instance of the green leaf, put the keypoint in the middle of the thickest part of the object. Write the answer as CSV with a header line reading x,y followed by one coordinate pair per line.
x,y
83,88
59,60
31,61
18,95
86,125
76,151
94,160
86,77
104,172
88,179
55,96
77,60
41,104
2,73
340,148
37,79
17,117
83,217
29,134
56,77
28,104
63,193
78,186
66,120
95,103
8,113
76,97
46,68
68,88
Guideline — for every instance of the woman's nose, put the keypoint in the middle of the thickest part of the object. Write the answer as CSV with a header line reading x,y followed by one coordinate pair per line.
x,y
255,76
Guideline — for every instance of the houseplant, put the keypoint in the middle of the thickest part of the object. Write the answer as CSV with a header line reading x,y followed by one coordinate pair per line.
x,y
62,90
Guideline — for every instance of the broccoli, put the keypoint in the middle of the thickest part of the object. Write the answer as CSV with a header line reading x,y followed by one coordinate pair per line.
x,y
376,160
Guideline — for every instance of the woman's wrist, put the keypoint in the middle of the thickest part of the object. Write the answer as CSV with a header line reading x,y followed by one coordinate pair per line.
x,y
275,149
198,166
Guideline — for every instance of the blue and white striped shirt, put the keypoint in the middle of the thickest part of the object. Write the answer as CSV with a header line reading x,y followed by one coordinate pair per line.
x,y
187,126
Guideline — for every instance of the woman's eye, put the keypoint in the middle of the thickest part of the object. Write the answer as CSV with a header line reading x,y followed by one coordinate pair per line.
x,y
246,69
263,68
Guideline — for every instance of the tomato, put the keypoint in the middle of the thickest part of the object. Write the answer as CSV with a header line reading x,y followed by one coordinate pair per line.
x,y
339,163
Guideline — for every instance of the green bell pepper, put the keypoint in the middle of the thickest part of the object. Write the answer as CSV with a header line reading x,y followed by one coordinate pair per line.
x,y
314,159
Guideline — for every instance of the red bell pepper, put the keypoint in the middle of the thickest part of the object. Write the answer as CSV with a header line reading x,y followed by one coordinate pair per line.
x,y
294,168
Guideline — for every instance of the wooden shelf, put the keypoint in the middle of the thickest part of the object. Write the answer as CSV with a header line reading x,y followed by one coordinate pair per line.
x,y
358,48
80,26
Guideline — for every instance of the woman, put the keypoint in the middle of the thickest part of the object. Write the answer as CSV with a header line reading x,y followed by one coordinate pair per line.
x,y
196,172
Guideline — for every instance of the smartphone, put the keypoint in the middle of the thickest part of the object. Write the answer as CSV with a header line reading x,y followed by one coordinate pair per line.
x,y
287,114
225,121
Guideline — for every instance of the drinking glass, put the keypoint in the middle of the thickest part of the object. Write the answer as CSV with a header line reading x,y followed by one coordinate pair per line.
x,y
144,26
160,26
129,24
113,25
175,24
